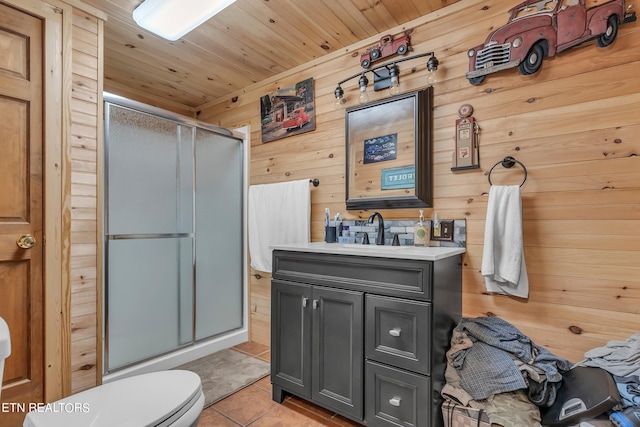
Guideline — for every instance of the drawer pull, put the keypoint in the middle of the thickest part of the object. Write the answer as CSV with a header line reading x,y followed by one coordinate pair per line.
x,y
395,332
305,302
394,401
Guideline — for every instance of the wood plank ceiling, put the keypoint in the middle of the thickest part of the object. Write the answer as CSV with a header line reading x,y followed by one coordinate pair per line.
x,y
248,42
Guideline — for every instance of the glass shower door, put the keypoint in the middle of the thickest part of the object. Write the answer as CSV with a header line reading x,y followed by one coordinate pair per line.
x,y
219,232
150,236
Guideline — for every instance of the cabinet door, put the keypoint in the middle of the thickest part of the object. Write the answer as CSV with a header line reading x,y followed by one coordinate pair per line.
x,y
290,337
338,350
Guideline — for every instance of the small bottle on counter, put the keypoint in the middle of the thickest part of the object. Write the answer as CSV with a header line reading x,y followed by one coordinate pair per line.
x,y
436,225
345,236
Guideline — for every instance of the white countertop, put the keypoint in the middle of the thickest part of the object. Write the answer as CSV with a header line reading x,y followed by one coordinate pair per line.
x,y
431,253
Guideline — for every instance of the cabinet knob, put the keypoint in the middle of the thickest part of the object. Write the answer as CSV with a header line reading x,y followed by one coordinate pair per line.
x,y
305,302
395,332
315,304
394,401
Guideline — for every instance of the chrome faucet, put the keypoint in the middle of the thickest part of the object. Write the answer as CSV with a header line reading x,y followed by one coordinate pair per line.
x,y
380,238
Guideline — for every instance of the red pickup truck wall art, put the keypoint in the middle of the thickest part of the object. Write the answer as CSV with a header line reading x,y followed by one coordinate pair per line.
x,y
387,47
298,118
543,28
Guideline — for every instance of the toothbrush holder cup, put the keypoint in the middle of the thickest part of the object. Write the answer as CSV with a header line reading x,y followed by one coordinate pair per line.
x,y
330,234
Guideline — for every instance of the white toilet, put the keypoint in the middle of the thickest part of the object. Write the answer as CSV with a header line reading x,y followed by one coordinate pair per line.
x,y
5,347
158,399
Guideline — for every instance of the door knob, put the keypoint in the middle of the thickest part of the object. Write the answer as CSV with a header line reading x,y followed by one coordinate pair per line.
x,y
26,241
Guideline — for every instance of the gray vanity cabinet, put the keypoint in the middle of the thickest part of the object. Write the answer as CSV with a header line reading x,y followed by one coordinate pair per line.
x,y
291,318
319,345
364,336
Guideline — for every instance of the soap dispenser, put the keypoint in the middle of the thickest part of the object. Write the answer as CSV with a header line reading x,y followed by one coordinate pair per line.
x,y
421,232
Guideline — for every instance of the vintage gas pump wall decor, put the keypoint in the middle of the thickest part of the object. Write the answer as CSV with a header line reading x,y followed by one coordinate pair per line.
x,y
466,154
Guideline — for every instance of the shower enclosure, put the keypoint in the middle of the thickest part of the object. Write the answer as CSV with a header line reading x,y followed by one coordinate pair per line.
x,y
174,235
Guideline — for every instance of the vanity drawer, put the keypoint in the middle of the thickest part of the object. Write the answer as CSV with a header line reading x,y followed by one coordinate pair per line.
x,y
399,277
398,332
396,398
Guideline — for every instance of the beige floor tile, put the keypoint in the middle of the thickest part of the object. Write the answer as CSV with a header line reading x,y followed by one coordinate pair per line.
x,y
309,407
289,416
251,348
246,405
266,356
265,384
211,418
340,421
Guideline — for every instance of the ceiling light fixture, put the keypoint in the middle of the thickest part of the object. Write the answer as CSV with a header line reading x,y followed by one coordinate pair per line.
x,y
172,19
385,76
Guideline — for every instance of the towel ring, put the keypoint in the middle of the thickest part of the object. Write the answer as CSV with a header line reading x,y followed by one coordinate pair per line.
x,y
508,162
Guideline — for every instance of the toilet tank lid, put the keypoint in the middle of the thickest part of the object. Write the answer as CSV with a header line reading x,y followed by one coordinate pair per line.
x,y
140,401
5,340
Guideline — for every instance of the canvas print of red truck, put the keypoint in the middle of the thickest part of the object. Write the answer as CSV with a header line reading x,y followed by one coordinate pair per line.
x,y
287,111
536,29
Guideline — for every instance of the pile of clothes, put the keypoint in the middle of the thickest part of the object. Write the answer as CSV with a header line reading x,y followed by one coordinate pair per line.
x,y
494,367
622,360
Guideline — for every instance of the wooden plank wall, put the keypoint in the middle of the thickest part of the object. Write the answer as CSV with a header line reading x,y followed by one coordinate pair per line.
x,y
86,159
575,125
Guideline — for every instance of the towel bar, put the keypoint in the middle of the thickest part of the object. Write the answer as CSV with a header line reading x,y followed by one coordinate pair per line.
x,y
508,162
315,182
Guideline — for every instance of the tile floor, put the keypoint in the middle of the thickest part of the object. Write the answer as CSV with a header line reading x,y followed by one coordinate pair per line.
x,y
253,406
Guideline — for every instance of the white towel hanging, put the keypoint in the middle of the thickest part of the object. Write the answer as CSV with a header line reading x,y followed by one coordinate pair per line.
x,y
278,214
503,264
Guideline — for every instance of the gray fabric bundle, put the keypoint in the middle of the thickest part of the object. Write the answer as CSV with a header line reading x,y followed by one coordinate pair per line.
x,y
503,359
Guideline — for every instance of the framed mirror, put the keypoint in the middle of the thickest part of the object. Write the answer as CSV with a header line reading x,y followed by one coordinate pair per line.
x,y
388,162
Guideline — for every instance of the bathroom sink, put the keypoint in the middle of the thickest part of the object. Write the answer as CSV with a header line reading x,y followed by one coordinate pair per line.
x,y
372,247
